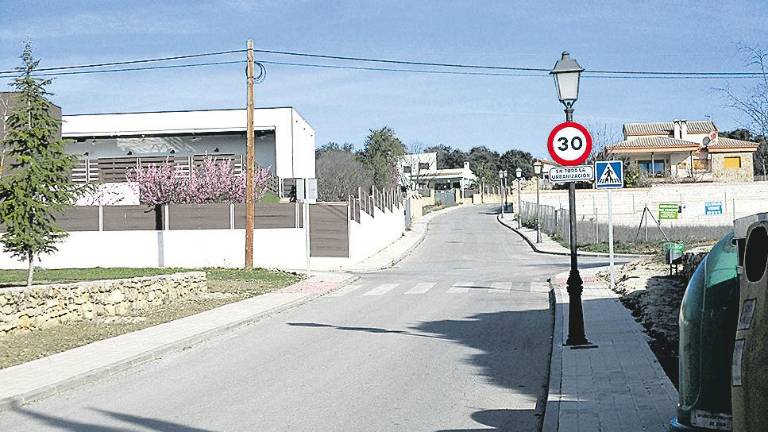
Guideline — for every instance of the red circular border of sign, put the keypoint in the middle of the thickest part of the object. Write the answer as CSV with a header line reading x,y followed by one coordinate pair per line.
x,y
551,144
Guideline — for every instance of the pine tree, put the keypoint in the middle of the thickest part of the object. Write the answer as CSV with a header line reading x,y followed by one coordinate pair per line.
x,y
38,184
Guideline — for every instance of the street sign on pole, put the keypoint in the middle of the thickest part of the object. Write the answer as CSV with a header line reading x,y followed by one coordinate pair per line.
x,y
571,174
569,144
609,175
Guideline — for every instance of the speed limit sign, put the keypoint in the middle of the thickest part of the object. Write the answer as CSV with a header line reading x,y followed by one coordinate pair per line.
x,y
569,144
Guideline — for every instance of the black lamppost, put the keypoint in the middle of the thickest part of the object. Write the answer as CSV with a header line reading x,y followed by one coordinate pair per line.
x,y
567,73
537,170
519,175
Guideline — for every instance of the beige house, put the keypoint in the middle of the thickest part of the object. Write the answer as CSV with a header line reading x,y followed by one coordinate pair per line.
x,y
684,149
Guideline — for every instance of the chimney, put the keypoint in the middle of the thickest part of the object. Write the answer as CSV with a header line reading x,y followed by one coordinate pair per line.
x,y
466,166
684,130
676,129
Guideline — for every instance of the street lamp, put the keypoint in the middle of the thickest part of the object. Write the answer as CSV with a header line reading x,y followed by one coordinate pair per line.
x,y
501,187
519,175
537,170
567,73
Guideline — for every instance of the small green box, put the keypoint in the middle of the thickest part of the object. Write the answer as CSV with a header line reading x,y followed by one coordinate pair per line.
x,y
668,211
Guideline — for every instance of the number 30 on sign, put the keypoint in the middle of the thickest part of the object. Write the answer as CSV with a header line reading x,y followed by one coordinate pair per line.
x,y
569,144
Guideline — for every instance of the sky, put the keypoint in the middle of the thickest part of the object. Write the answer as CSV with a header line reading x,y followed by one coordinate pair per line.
x,y
500,112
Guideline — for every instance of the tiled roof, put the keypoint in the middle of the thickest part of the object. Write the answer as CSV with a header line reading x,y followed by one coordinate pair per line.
x,y
653,143
666,128
727,143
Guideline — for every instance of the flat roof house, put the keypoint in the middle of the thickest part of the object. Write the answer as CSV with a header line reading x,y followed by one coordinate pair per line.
x,y
419,171
110,144
681,149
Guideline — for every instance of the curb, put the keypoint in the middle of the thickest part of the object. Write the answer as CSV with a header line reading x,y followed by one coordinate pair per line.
x,y
581,254
154,354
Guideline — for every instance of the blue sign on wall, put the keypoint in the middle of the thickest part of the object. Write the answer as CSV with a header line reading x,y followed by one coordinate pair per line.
x,y
713,208
609,174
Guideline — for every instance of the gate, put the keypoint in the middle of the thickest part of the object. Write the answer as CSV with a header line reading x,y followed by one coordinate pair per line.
x,y
447,197
328,230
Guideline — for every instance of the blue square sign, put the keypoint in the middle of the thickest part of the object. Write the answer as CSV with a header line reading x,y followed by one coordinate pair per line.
x,y
609,174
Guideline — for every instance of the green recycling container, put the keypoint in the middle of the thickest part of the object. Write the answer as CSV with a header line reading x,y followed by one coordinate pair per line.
x,y
708,316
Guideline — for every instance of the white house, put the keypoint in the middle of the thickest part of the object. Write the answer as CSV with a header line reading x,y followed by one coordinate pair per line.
x,y
109,144
419,171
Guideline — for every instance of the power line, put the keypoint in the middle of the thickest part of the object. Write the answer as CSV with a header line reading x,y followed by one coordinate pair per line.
x,y
127,62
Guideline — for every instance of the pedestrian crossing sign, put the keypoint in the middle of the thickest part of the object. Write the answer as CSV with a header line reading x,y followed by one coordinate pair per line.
x,y
609,174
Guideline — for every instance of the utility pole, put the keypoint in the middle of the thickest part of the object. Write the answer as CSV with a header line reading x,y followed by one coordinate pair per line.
x,y
249,162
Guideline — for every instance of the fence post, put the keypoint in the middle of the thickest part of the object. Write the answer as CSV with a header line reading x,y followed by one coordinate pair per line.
x,y
101,217
166,217
231,215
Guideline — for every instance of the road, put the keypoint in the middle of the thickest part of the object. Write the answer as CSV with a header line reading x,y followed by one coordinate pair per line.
x,y
456,337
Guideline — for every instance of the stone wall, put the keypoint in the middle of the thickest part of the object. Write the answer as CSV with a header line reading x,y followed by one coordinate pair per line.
x,y
745,173
42,306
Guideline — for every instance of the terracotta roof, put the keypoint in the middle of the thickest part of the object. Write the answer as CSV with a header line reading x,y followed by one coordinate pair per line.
x,y
654,143
666,128
728,143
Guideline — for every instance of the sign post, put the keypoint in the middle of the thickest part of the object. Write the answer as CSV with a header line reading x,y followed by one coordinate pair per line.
x,y
570,144
306,192
610,175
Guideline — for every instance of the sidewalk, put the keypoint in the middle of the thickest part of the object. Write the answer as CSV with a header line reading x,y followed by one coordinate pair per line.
x,y
49,375
547,245
618,386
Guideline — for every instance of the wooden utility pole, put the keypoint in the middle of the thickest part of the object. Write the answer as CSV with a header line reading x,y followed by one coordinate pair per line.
x,y
249,162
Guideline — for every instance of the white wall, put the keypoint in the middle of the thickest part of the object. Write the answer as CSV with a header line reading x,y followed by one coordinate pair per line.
x,y
303,147
375,233
273,248
749,198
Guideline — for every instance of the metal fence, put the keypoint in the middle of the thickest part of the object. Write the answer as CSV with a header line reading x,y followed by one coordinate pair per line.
x,y
555,223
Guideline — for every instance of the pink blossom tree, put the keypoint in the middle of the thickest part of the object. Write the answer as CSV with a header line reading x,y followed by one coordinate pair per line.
x,y
213,181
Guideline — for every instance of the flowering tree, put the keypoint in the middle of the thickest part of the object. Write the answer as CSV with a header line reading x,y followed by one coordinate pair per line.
x,y
213,181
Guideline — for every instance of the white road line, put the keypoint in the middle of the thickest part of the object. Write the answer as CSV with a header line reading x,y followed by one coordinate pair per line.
x,y
460,287
381,289
500,287
345,290
421,288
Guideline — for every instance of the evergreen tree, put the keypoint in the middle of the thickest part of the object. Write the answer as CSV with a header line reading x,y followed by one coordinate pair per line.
x,y
38,185
380,154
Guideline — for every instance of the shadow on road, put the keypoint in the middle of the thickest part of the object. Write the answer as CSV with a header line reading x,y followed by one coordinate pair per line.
x,y
133,421
499,420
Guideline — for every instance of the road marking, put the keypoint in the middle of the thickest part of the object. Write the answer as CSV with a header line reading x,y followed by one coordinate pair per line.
x,y
421,288
540,287
500,287
381,289
345,290
460,287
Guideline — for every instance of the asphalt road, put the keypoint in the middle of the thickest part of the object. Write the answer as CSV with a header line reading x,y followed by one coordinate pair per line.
x,y
454,338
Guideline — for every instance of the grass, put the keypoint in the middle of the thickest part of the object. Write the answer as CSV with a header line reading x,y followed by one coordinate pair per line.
x,y
224,286
270,198
45,276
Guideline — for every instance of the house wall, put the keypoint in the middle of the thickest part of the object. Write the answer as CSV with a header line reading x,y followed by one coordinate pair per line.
x,y
294,154
720,173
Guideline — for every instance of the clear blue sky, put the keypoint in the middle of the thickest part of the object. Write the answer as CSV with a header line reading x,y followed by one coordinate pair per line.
x,y
461,111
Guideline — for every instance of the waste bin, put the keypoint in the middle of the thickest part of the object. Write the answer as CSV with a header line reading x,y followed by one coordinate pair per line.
x,y
749,380
707,327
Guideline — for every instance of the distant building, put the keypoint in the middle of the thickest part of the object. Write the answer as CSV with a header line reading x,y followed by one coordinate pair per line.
x,y
681,149
419,171
108,145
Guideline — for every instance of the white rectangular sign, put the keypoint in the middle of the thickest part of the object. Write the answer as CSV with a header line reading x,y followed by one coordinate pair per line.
x,y
571,174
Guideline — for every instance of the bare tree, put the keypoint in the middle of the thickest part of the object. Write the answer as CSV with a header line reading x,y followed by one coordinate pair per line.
x,y
752,102
339,174
603,136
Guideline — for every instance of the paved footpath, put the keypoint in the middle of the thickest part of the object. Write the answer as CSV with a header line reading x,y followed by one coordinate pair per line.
x,y
618,386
